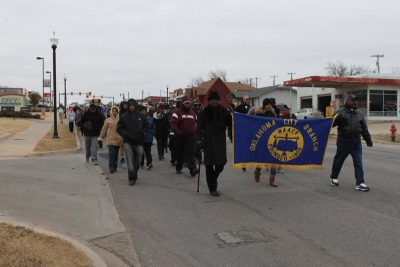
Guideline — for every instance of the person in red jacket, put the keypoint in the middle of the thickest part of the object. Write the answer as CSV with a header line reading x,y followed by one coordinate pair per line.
x,y
183,124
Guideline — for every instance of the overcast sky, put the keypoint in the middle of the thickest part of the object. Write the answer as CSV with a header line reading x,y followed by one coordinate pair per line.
x,y
109,47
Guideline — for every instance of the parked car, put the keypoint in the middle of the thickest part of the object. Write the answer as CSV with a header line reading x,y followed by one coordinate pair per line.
x,y
284,111
308,113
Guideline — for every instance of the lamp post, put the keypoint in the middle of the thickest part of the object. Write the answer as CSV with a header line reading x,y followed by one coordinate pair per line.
x,y
42,59
54,43
49,72
65,94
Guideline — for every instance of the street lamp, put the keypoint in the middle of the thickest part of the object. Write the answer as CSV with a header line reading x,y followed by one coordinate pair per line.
x,y
49,72
65,93
42,59
54,43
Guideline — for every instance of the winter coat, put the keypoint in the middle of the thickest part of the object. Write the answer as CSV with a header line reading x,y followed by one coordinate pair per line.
x,y
150,130
161,122
243,108
212,125
109,131
351,125
92,123
71,116
131,127
183,123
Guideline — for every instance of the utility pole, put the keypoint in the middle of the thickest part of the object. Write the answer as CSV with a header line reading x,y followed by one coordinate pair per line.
x,y
377,61
273,81
256,81
290,89
167,94
142,97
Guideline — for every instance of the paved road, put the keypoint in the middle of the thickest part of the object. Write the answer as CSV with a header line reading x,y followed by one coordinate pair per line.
x,y
303,222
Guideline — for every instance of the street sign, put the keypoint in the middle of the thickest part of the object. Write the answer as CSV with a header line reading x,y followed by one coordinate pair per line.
x,y
47,83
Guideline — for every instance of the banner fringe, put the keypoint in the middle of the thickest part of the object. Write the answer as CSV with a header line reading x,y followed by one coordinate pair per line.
x,y
270,165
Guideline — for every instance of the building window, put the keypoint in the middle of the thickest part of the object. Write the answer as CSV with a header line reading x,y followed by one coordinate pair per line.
x,y
383,103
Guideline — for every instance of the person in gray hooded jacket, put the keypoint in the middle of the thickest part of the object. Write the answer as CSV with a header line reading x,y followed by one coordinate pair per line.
x,y
351,126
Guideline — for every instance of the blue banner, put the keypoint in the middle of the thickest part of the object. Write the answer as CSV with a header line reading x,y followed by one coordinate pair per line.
x,y
272,142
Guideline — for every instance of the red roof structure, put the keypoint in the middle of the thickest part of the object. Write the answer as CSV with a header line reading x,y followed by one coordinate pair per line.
x,y
337,82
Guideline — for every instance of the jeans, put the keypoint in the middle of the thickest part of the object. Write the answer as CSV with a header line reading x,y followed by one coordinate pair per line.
x,y
162,143
344,148
147,154
92,145
212,173
113,157
133,154
185,151
71,126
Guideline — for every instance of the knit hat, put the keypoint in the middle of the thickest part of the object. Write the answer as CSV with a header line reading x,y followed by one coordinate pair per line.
x,y
185,100
267,101
213,95
131,102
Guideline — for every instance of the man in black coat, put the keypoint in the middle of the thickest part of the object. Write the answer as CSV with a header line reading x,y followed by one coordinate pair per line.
x,y
351,126
212,124
161,121
92,121
131,126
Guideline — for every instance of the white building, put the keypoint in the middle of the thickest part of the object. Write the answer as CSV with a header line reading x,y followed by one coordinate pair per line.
x,y
378,94
281,94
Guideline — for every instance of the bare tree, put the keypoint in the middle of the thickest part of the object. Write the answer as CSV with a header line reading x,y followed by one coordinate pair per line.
x,y
339,69
195,82
218,74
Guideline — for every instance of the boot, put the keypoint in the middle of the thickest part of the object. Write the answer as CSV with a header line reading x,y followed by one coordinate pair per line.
x,y
272,181
257,174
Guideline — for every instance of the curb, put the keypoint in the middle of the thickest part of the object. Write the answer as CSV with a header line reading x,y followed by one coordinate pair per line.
x,y
96,259
61,152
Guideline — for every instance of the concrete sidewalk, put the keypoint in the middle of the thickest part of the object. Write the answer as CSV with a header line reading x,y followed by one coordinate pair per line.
x,y
63,194
23,143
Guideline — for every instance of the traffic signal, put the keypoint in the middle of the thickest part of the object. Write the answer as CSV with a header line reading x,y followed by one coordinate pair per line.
x,y
80,93
90,93
72,93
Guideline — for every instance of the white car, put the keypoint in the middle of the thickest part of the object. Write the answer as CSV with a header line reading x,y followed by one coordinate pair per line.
x,y
308,113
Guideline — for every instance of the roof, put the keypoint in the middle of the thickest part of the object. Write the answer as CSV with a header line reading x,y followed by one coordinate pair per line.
x,y
238,86
232,86
260,92
336,82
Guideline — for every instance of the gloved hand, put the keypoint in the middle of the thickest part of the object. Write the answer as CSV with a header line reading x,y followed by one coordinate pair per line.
x,y
100,144
369,143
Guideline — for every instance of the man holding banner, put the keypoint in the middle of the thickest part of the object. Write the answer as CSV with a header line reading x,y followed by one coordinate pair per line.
x,y
351,126
267,110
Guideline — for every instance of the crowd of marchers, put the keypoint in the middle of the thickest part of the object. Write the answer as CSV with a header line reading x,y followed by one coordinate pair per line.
x,y
193,134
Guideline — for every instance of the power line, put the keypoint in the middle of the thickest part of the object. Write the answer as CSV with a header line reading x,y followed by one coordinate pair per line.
x,y
256,81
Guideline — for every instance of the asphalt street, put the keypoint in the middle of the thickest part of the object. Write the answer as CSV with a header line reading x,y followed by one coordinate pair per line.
x,y
303,222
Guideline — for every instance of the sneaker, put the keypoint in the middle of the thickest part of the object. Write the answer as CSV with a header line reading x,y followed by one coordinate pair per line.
x,y
94,162
132,183
334,182
362,187
215,194
149,166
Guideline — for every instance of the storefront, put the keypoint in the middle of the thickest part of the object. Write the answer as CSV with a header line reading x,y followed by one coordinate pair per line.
x,y
378,95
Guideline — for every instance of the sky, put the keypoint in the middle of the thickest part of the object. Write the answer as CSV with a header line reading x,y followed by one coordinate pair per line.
x,y
121,46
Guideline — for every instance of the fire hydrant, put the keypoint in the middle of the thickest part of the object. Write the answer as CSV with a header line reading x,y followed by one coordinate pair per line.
x,y
393,131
